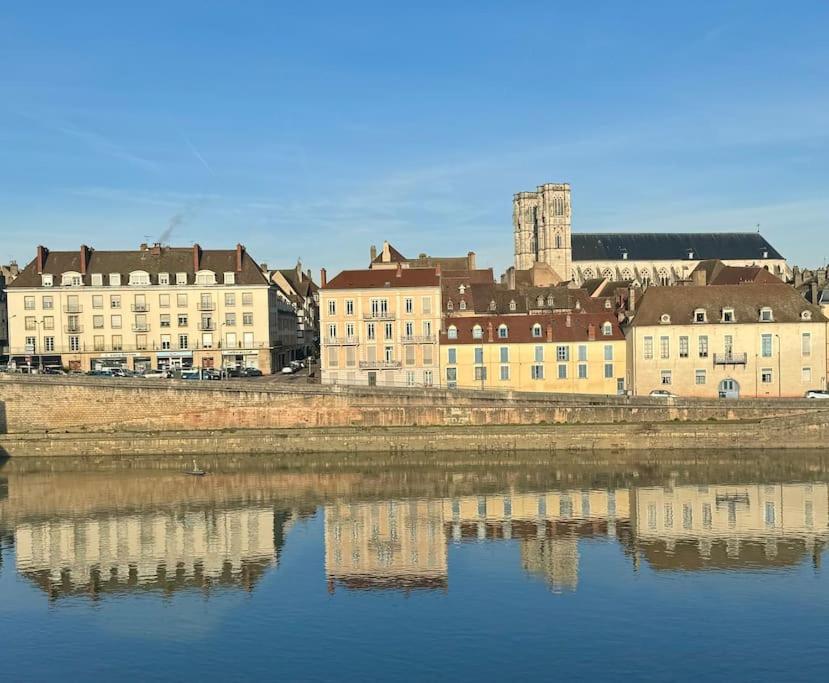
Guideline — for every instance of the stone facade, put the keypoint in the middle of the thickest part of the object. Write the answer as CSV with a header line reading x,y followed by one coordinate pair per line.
x,y
542,222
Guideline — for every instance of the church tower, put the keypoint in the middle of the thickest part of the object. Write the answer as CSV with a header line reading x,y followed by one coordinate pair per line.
x,y
542,228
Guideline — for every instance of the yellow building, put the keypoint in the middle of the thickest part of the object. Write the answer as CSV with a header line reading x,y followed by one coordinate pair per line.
x,y
157,306
575,352
380,327
749,340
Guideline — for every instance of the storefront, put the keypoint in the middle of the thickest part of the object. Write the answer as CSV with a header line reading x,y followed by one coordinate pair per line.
x,y
175,360
37,361
142,363
109,361
240,359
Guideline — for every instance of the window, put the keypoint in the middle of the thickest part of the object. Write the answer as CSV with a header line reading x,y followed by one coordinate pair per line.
x,y
183,341
607,329
728,315
97,301
450,306
765,345
806,344
182,320
231,340
608,352
479,355
493,306
247,298
451,356
230,278
427,328
562,372
115,301
117,342
139,278
141,342
699,377
665,319
665,377
582,352
536,330
48,344
451,376
371,331
408,304
409,354
648,348
806,315
332,332
31,344
47,281
505,373
477,332
115,279
539,354
766,315
503,332
766,376
426,304
332,307
769,513
452,332
462,305
408,328
582,369
512,305
115,322
349,330
230,319
165,342
350,357
71,279
29,303
537,371
74,343
664,348
389,354
29,323
48,322
48,303
388,331
97,321
806,375
349,307
700,316
608,370
410,378
247,318
504,354
230,299
181,278
563,353
728,344
181,300
164,278
480,374
703,346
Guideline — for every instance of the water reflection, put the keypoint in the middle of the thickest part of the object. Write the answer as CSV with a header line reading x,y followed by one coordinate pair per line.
x,y
98,532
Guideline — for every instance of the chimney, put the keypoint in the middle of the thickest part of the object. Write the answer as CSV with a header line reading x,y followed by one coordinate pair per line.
x,y
489,335
511,278
470,260
591,332
813,291
240,249
84,259
197,258
308,274
42,253
298,271
323,277
386,252
156,250
142,246
798,276
549,332
372,253
399,270
699,277
437,270
632,299
568,320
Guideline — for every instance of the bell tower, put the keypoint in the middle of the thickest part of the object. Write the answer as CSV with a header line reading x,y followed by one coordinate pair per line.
x,y
542,227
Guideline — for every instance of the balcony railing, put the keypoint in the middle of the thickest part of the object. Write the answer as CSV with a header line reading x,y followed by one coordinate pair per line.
x,y
343,341
152,346
730,358
140,308
207,326
73,308
380,364
379,315
141,327
206,305
73,329
418,339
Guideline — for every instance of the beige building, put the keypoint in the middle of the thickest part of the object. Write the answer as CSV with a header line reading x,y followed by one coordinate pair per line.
x,y
746,340
542,229
380,327
157,306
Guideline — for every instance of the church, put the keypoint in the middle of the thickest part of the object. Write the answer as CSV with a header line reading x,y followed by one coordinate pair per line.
x,y
543,234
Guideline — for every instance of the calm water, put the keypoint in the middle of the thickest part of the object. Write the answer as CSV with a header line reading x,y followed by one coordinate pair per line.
x,y
452,569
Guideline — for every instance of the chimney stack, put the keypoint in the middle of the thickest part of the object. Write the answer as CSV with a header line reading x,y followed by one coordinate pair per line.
x,y
156,250
386,252
323,277
42,253
813,292
84,259
489,335
399,270
470,260
372,253
240,249
142,247
591,332
437,270
632,299
511,278
197,258
549,332
699,277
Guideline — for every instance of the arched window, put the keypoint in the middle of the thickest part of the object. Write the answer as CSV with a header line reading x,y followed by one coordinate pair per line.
x,y
503,332
664,278
558,241
450,306
607,329
627,274
205,277
452,332
462,305
477,332
462,288
587,273
512,305
550,301
139,278
608,273
539,301
536,330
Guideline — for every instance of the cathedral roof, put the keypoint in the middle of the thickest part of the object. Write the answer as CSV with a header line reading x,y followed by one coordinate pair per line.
x,y
642,246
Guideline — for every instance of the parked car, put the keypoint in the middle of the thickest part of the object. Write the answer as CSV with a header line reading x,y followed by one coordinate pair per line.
x,y
817,393
211,373
251,372
119,372
662,393
190,374
160,373
234,371
53,370
288,370
99,373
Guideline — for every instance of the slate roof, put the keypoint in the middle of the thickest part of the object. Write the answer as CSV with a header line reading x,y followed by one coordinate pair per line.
x,y
520,328
717,273
384,278
170,260
642,246
746,300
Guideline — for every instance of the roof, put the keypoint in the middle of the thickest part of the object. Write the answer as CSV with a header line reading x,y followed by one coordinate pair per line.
x,y
395,255
520,328
386,278
642,246
746,300
166,260
718,273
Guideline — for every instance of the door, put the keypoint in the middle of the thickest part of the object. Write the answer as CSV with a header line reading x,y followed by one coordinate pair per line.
x,y
729,388
372,379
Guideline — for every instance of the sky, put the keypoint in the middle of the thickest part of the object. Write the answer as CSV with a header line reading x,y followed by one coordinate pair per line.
x,y
313,130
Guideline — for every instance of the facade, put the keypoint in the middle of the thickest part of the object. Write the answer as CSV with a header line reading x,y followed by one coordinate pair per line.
x,y
7,275
298,288
380,327
542,227
745,340
579,352
157,306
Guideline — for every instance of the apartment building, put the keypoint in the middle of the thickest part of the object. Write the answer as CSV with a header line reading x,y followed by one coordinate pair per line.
x,y
380,327
749,340
566,352
157,306
299,289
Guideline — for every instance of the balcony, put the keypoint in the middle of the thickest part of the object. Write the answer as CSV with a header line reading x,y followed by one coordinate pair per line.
x,y
73,308
207,326
139,308
418,339
342,341
141,327
380,365
206,305
730,358
379,315
73,329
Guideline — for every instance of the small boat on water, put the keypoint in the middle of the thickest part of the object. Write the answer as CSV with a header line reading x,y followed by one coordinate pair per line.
x,y
196,472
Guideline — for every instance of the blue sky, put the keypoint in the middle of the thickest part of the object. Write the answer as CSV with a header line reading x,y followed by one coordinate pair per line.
x,y
316,129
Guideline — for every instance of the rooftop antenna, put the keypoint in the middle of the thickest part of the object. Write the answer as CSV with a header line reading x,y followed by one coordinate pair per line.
x,y
758,228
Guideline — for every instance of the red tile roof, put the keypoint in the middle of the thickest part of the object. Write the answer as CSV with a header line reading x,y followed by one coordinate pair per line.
x,y
520,328
385,278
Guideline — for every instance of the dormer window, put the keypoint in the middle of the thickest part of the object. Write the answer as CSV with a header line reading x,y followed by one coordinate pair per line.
x,y
452,332
550,301
205,277
607,303
477,332
607,329
230,278
503,332
728,315
536,330
97,279
624,254
71,279
806,315
139,278
512,305
690,254
665,319
766,315
462,305
164,278
539,301
462,289
700,316
765,253
181,278
115,279
492,305
450,306
46,280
